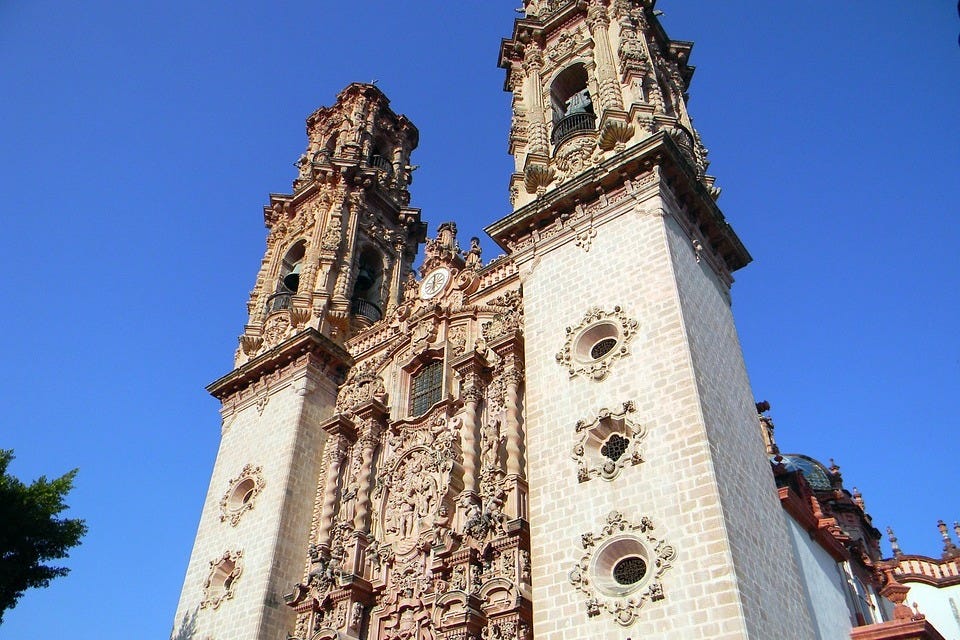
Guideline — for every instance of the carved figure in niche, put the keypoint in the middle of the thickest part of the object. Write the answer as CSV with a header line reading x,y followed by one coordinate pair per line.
x,y
411,289
441,524
331,238
472,259
408,509
490,442
411,502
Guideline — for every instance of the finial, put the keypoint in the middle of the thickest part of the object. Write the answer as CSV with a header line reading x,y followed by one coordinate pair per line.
x,y
858,498
956,529
834,467
763,406
949,548
894,544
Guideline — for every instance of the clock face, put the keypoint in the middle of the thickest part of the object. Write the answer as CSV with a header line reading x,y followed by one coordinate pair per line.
x,y
434,283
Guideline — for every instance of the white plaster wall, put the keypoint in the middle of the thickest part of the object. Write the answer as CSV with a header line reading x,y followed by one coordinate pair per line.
x,y
286,442
936,605
824,584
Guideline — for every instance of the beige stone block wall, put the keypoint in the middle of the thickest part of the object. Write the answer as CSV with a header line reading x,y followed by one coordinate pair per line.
x,y
286,443
767,569
630,264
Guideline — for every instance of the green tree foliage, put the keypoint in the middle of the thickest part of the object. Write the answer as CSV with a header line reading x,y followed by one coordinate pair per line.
x,y
30,532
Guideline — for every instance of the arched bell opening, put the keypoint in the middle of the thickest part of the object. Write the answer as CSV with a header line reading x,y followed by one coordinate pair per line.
x,y
380,157
571,103
327,152
366,303
288,280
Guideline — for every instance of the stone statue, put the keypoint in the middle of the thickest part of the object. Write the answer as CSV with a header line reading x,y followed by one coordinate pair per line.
x,y
472,259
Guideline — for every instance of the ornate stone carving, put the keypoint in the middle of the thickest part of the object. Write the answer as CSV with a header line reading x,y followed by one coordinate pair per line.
x,y
362,384
593,345
222,579
621,568
457,339
607,444
575,156
564,45
508,320
276,329
241,495
585,238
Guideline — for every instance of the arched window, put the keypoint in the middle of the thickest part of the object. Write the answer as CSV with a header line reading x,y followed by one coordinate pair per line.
x,y
426,387
571,103
288,281
366,301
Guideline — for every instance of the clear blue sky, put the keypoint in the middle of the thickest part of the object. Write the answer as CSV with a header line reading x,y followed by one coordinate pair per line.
x,y
140,141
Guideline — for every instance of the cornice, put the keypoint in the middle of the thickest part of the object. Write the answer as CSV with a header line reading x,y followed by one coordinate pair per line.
x,y
612,174
335,361
803,515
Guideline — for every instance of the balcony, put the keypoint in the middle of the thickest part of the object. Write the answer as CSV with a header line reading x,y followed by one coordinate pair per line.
x,y
379,162
365,309
278,302
571,125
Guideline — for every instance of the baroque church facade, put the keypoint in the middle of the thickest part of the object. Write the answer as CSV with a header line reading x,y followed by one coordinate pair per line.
x,y
509,450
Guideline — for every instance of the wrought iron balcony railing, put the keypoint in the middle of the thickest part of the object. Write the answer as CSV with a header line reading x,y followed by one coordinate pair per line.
x,y
278,302
572,124
365,308
381,163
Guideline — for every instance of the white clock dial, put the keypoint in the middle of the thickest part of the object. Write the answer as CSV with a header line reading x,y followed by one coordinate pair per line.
x,y
434,282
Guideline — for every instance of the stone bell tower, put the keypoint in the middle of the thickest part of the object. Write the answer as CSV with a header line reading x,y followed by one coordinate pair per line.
x,y
338,249
653,512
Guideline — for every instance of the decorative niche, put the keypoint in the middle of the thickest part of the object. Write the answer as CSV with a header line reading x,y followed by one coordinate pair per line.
x,y
607,444
222,579
621,568
241,495
600,339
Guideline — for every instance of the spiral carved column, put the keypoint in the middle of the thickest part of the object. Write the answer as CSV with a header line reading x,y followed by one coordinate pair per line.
x,y
516,463
369,439
341,434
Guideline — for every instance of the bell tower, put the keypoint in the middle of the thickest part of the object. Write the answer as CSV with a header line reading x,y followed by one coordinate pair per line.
x,y
667,523
338,250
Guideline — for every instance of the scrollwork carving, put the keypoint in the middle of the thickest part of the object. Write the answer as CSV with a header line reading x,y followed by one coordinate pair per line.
x,y
622,568
242,494
607,444
593,345
362,384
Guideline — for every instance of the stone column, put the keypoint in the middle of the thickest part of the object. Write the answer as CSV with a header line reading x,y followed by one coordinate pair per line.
x,y
537,127
470,368
516,463
340,430
607,82
374,416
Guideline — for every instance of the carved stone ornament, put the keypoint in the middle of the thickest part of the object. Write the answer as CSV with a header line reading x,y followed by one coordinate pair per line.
x,y
621,568
607,444
362,384
222,580
592,346
241,495
576,156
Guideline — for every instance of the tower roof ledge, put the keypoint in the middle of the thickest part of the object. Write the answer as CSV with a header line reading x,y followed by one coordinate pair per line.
x,y
657,150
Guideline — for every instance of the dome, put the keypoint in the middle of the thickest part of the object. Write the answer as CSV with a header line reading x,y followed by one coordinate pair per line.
x,y
815,473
